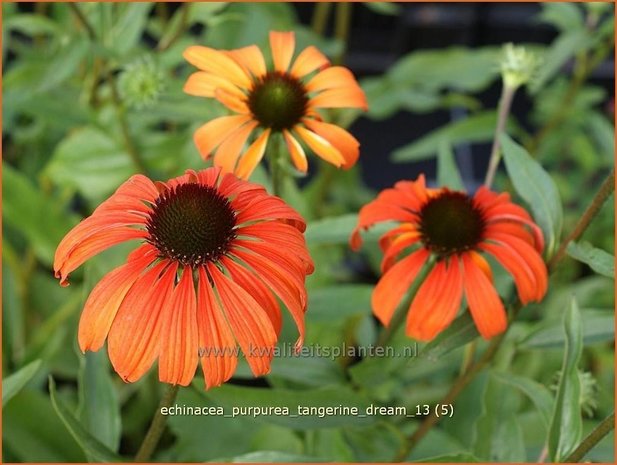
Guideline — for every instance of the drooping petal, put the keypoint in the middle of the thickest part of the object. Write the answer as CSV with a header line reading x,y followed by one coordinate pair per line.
x,y
249,322
217,345
265,208
437,301
484,303
321,146
250,58
252,156
134,337
105,299
396,247
344,142
282,45
232,101
216,62
212,134
376,212
298,157
308,61
392,286
229,151
343,97
179,339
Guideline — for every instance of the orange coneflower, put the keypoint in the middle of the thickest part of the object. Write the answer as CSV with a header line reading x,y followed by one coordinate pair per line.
x,y
282,99
454,228
216,252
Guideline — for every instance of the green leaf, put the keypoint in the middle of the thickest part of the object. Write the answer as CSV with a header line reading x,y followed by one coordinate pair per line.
x,y
310,371
476,128
95,450
564,16
31,24
271,457
566,426
127,30
12,384
447,170
38,217
537,188
231,396
460,332
332,230
537,393
598,260
598,327
96,389
383,8
339,302
462,457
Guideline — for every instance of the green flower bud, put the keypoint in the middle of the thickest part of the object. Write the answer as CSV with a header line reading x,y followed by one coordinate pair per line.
x,y
518,65
141,83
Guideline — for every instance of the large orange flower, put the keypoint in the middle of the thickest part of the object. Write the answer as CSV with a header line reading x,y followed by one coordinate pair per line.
x,y
216,253
456,229
284,98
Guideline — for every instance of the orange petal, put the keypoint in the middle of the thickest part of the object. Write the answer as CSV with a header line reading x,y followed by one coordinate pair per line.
x,y
232,101
252,156
282,45
339,138
179,341
481,262
437,301
394,284
270,208
331,78
250,58
217,345
216,62
396,247
249,322
213,133
134,338
484,303
377,212
298,157
343,97
204,84
105,299
308,61
321,146
228,152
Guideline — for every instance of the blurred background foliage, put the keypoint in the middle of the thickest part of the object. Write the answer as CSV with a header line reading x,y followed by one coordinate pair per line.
x,y
92,93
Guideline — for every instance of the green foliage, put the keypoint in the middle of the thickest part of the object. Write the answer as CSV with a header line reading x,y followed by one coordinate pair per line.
x,y
15,382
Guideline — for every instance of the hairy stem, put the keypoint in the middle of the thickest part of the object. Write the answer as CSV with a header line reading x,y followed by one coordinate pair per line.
x,y
157,426
505,103
600,431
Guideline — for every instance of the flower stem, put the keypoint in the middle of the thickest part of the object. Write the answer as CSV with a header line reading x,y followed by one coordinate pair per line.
x,y
606,189
600,431
74,7
276,173
157,426
341,29
320,17
505,103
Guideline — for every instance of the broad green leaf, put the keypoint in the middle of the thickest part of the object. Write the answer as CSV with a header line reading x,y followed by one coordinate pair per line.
x,y
31,24
95,450
537,188
383,8
232,397
38,217
598,327
96,389
310,371
377,443
128,28
339,302
597,259
460,332
447,170
476,128
462,457
563,15
566,423
332,230
537,393
271,457
12,384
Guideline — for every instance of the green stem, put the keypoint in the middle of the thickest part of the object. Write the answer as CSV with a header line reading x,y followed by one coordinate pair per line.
x,y
276,172
600,431
82,20
505,103
169,39
341,29
606,189
157,426
320,17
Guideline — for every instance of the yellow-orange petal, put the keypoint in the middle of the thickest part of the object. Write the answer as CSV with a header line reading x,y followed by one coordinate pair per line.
x,y
203,84
320,146
216,62
347,144
282,45
308,61
179,340
228,152
343,97
232,101
298,157
250,58
331,78
213,133
217,345
252,156
484,303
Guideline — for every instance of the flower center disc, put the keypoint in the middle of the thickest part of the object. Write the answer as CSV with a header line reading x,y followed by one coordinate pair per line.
x,y
451,223
191,224
278,101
